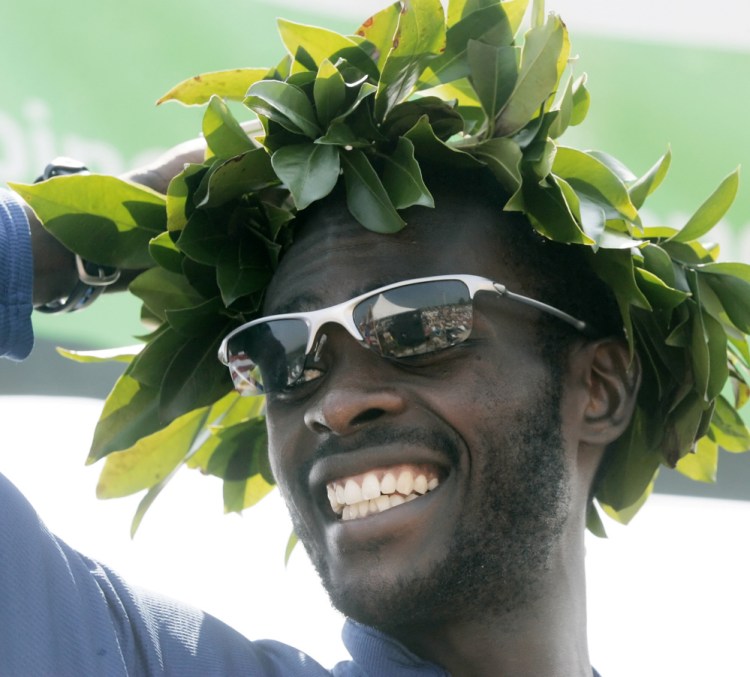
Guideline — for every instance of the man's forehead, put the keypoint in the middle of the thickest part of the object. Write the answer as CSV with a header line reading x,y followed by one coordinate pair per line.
x,y
334,258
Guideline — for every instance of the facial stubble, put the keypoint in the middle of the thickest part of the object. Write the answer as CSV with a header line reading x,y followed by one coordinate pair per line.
x,y
499,551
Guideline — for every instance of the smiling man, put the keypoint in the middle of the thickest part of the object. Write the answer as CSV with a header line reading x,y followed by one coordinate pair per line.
x,y
466,339
442,494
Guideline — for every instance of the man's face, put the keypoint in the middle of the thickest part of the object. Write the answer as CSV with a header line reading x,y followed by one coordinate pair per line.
x,y
481,419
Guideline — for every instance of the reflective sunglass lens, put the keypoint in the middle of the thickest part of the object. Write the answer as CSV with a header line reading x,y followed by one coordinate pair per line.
x,y
268,356
416,319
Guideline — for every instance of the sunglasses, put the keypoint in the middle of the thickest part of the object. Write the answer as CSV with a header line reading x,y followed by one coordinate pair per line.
x,y
398,321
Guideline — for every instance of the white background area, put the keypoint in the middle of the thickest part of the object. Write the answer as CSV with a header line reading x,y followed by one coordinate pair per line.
x,y
669,595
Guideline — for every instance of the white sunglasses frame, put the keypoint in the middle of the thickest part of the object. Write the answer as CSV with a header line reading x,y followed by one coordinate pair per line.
x,y
343,313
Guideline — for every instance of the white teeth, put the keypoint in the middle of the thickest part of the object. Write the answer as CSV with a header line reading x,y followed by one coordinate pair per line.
x,y
388,483
370,487
352,501
352,493
380,504
420,484
383,503
405,484
396,499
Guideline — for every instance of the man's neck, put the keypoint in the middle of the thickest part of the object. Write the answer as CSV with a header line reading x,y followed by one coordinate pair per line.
x,y
547,638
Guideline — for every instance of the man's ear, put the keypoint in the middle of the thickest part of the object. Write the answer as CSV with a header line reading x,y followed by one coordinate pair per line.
x,y
613,380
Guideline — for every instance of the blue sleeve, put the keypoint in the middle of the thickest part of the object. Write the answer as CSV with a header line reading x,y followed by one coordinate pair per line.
x,y
63,614
16,279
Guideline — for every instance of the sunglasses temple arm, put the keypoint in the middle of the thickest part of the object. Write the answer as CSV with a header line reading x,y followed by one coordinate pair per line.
x,y
580,325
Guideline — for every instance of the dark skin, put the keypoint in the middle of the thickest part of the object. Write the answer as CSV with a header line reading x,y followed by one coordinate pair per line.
x,y
462,576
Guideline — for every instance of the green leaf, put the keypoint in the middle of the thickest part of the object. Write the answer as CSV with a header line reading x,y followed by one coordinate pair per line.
x,y
194,376
193,321
630,468
231,84
104,219
286,105
428,146
543,50
251,171
329,92
419,38
180,188
151,459
149,366
290,545
625,515
164,251
490,25
659,294
550,214
310,171
129,413
244,411
708,344
224,136
658,262
702,465
591,176
593,220
247,472
734,294
202,239
711,211
728,429
243,494
366,197
124,354
514,11
321,44
242,270
650,181
402,178
503,157
159,289
380,29
565,108
738,270
493,73
444,119
594,521
581,101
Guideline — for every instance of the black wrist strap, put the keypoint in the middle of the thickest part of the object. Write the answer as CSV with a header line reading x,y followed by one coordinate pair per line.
x,y
93,278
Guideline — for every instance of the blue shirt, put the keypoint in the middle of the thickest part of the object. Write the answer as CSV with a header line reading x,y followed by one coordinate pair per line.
x,y
16,270
64,614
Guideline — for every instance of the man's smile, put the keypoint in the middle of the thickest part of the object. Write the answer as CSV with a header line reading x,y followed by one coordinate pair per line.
x,y
376,491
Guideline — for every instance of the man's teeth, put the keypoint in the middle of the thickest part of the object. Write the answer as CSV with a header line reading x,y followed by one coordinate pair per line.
x,y
353,498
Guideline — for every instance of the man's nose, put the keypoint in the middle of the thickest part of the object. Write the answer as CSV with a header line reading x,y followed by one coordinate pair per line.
x,y
357,389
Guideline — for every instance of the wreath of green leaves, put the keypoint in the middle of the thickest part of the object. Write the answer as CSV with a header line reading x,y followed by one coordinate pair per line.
x,y
414,85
